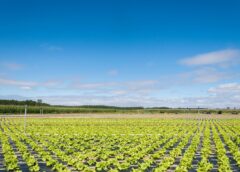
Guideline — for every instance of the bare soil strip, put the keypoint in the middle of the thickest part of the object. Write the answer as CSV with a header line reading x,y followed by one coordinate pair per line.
x,y
161,116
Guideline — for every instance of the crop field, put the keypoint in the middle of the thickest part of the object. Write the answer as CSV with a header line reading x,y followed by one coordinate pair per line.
x,y
79,144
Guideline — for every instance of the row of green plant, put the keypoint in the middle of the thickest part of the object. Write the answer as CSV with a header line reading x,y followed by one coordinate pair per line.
x,y
23,149
168,160
227,135
10,159
204,165
186,160
223,160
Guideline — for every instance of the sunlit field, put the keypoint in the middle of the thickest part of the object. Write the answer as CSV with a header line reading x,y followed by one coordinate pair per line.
x,y
120,144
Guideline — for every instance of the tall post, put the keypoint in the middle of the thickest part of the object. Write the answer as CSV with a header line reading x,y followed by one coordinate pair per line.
x,y
25,119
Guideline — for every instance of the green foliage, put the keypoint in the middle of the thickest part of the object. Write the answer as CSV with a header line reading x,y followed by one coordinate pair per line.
x,y
119,145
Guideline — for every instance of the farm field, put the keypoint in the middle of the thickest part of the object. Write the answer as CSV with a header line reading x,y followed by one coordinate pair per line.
x,y
120,144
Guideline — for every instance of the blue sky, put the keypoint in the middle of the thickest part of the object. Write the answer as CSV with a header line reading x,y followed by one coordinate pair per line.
x,y
124,53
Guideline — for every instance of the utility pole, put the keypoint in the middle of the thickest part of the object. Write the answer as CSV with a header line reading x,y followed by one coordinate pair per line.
x,y
41,111
25,119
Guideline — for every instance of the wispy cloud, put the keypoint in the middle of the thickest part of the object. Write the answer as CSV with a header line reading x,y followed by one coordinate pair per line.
x,y
25,87
12,66
228,88
100,100
220,96
135,93
93,86
203,75
28,85
116,88
216,100
222,57
21,84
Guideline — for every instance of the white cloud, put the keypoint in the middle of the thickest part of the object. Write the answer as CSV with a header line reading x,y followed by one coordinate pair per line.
x,y
10,82
209,101
93,86
135,93
141,87
129,87
209,75
204,75
223,57
28,85
228,88
101,100
139,93
26,88
221,96
119,92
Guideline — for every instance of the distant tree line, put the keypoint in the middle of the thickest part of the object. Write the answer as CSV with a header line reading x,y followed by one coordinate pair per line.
x,y
25,102
103,107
